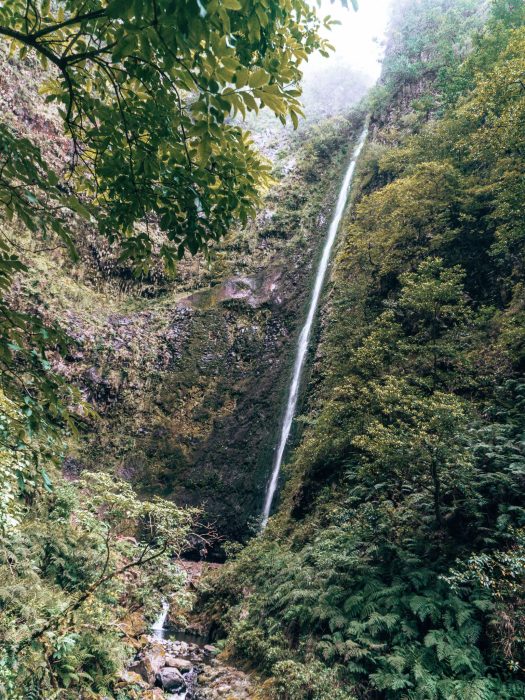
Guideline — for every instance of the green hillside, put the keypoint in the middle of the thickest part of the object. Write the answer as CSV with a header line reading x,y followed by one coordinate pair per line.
x,y
394,566
156,266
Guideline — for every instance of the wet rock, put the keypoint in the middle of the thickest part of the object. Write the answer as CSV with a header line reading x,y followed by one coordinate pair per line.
x,y
72,468
170,679
224,689
153,694
131,678
196,672
182,665
207,676
181,649
150,663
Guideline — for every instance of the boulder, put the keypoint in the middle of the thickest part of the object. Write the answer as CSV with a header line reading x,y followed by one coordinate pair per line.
x,y
183,665
170,679
134,625
131,678
150,663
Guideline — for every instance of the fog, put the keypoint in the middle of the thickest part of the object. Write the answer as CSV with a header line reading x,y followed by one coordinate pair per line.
x,y
333,85
358,40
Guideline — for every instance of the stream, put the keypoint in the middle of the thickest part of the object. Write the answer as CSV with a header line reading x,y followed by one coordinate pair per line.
x,y
182,645
177,665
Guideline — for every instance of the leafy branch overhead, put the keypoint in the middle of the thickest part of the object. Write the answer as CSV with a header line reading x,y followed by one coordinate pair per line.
x,y
147,92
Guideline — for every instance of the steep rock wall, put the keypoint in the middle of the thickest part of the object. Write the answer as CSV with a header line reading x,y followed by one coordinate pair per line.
x,y
187,376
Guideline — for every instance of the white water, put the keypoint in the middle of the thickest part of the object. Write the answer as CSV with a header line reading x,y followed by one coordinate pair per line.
x,y
158,626
304,338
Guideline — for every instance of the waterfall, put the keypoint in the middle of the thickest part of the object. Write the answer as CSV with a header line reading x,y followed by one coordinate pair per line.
x,y
304,338
158,626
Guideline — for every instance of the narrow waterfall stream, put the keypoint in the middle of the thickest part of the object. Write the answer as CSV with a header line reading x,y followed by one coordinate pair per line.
x,y
184,666
158,627
304,338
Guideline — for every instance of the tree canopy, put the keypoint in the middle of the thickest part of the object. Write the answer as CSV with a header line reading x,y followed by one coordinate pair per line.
x,y
146,92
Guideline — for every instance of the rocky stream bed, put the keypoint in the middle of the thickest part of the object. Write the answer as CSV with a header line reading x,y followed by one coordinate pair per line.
x,y
179,670
172,664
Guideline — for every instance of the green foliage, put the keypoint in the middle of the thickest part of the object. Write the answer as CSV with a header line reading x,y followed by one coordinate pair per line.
x,y
396,560
34,399
295,681
81,559
427,45
373,610
147,109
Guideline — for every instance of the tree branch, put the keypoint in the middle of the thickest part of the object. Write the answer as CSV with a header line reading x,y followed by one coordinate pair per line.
x,y
142,559
96,14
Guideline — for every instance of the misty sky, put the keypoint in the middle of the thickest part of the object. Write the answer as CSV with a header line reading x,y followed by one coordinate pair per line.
x,y
354,38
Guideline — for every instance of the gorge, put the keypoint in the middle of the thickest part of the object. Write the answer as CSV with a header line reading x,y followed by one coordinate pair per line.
x,y
262,397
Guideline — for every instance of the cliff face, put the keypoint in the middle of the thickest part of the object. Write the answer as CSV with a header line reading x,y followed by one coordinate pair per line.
x,y
190,387
422,56
187,375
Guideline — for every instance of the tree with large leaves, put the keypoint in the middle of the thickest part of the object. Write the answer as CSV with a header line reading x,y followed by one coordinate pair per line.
x,y
146,91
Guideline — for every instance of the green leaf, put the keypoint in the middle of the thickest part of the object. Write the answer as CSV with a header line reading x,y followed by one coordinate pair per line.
x,y
258,78
231,4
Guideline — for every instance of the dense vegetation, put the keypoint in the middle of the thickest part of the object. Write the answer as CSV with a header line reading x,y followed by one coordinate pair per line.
x,y
134,158
395,565
79,569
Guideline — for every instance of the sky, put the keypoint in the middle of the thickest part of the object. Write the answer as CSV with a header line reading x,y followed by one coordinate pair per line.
x,y
358,40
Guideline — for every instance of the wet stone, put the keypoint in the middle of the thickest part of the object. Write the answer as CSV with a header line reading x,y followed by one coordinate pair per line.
x,y
170,679
183,665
